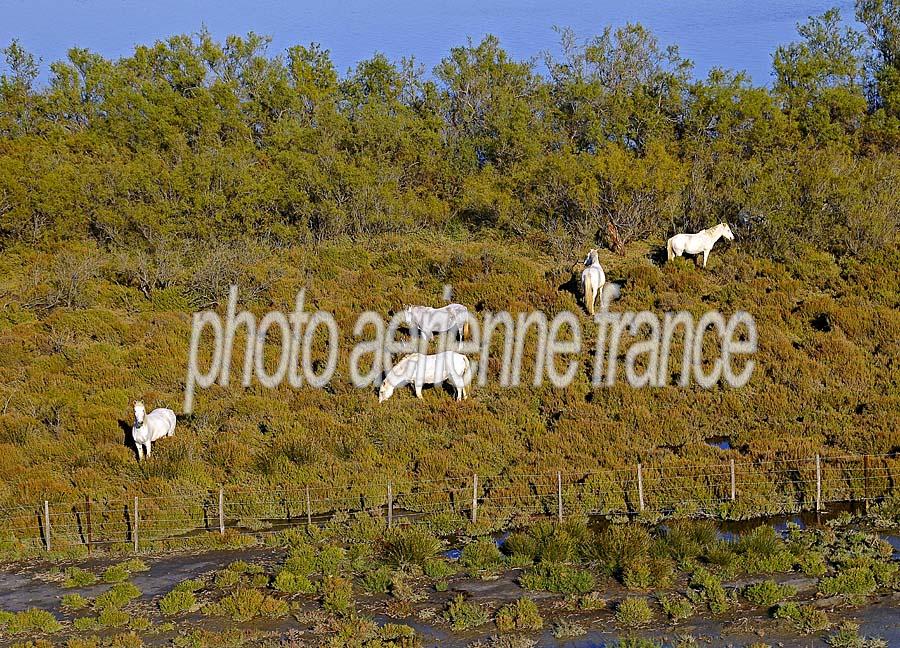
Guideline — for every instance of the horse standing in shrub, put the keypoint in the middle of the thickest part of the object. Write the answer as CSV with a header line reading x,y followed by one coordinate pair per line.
x,y
150,427
592,279
428,320
696,243
418,369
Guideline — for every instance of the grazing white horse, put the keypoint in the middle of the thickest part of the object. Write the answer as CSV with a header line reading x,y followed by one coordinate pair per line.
x,y
452,317
150,427
418,369
592,279
697,243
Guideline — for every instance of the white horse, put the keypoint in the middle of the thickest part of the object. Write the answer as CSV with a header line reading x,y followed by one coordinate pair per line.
x,y
697,243
150,427
427,320
592,279
418,369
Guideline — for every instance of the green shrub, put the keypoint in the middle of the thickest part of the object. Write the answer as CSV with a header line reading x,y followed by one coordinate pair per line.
x,y
134,565
565,629
439,568
463,615
620,545
330,560
688,539
291,582
561,579
117,596
634,612
805,618
86,623
764,552
767,593
481,555
32,620
855,583
813,563
177,601
115,574
676,607
847,636
411,546
521,615
592,601
337,595
245,604
77,577
378,581
189,585
111,617
707,588
74,602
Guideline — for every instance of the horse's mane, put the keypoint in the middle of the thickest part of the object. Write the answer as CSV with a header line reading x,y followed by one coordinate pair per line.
x,y
710,230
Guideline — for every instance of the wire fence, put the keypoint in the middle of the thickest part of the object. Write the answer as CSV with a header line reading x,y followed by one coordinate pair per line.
x,y
733,489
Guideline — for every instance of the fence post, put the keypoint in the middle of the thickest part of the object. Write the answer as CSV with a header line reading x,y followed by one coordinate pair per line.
x,y
221,511
308,508
559,507
733,482
818,482
136,521
88,505
474,498
390,506
47,524
640,487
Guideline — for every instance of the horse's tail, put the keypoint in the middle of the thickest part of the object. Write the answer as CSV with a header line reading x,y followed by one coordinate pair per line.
x,y
465,329
669,251
467,374
588,293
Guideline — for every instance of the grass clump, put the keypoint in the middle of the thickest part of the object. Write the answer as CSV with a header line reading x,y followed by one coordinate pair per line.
x,y
245,604
676,607
521,615
115,574
481,556
77,577
378,581
706,587
805,618
118,596
767,593
763,551
439,569
855,583
411,546
634,612
111,617
74,602
462,615
189,585
565,629
558,578
337,595
32,620
177,601
847,636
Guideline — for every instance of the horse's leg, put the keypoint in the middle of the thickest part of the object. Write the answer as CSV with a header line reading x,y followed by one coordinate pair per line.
x,y
417,386
705,255
147,447
140,451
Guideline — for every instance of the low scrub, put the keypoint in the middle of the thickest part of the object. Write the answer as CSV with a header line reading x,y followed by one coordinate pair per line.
x,y
463,615
676,607
856,584
32,620
245,604
767,593
411,546
805,618
561,579
634,612
521,615
177,601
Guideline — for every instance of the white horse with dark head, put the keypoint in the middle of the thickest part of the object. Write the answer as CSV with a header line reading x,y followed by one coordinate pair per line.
x,y
452,317
150,427
701,242
418,369
592,279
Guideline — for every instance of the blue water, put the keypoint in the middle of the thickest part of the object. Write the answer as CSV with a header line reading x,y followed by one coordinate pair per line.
x,y
724,33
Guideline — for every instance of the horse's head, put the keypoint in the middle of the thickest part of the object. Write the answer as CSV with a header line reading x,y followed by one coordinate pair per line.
x,y
592,257
139,413
726,231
